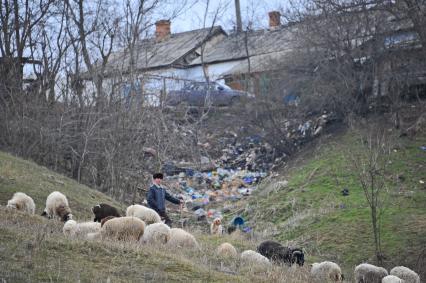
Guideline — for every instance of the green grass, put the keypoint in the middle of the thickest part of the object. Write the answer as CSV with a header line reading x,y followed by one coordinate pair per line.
x,y
312,212
34,249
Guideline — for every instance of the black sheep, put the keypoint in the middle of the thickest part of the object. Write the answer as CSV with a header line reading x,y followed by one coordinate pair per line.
x,y
276,252
103,210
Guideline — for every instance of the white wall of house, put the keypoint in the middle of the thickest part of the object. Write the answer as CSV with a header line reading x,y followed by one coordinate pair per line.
x,y
214,71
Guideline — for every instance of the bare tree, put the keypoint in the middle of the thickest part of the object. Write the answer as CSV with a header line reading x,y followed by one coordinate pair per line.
x,y
370,164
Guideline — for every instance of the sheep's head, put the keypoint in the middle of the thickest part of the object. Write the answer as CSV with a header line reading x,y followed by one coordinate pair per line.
x,y
297,256
44,213
11,205
96,208
67,217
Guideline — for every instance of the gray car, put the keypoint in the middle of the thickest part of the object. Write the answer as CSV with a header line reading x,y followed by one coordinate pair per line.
x,y
204,94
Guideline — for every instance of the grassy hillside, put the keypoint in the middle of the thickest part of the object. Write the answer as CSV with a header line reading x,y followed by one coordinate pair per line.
x,y
17,175
311,211
33,249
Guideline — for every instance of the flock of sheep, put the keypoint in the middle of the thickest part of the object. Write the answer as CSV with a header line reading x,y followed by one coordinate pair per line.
x,y
144,225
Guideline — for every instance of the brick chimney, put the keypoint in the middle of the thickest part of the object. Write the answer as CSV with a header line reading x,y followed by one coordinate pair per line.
x,y
274,19
162,29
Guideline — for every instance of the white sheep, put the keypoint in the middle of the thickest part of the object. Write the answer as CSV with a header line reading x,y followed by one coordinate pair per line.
x,y
74,229
22,202
365,273
156,233
226,250
148,215
326,271
253,257
93,236
123,229
392,279
180,238
57,206
408,275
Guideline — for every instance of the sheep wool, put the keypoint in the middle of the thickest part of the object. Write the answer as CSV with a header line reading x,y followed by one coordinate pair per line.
x,y
254,258
74,229
123,229
366,273
57,206
179,238
226,250
148,215
22,202
69,228
392,279
408,275
326,271
93,236
103,210
156,233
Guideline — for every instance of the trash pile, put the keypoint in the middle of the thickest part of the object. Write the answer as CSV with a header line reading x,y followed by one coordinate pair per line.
x,y
204,190
240,165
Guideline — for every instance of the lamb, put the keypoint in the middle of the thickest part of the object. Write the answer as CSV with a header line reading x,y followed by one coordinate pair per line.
x,y
226,250
216,227
22,202
146,214
123,229
408,275
368,273
181,238
392,279
57,206
74,229
276,252
156,233
103,210
326,271
254,258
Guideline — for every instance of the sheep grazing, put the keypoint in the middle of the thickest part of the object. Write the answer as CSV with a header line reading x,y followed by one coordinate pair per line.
x,y
216,227
146,214
254,258
226,250
368,273
103,210
123,229
181,238
156,233
22,202
408,275
57,206
276,252
392,279
73,229
326,271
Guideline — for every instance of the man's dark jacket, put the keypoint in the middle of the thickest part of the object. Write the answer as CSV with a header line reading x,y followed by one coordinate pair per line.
x,y
156,198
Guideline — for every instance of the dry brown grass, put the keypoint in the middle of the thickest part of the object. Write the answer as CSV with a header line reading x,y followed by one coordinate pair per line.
x,y
34,249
